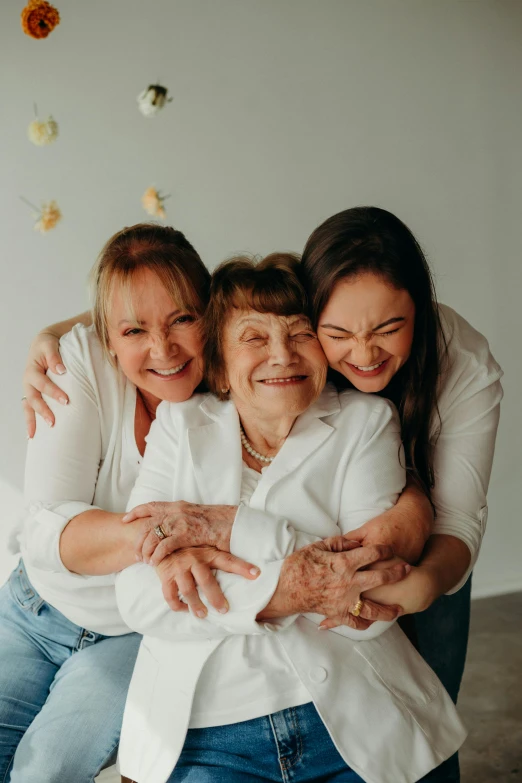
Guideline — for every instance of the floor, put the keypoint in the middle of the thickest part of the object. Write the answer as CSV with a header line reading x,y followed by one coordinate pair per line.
x,y
490,700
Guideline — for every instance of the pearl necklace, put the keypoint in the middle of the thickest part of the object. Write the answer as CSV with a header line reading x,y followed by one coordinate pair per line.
x,y
250,450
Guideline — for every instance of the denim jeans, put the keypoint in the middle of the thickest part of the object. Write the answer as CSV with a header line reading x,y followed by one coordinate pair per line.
x,y
62,690
440,634
290,746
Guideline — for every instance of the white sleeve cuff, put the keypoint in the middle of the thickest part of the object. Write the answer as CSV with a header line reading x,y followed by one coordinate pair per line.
x,y
471,535
257,536
246,599
42,531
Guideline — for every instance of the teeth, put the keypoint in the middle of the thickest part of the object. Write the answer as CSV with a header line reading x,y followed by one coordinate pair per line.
x,y
173,371
369,369
281,380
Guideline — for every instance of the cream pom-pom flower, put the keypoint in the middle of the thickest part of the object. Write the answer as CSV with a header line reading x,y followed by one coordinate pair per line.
x,y
152,100
43,133
152,202
49,216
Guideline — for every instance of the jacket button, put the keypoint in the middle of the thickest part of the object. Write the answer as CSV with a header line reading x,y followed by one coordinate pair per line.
x,y
318,674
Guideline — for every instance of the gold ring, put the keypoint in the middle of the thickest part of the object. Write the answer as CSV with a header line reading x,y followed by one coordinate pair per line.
x,y
356,611
160,532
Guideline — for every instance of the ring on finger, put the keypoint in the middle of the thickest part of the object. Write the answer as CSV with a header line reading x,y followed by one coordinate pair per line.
x,y
23,398
356,610
160,532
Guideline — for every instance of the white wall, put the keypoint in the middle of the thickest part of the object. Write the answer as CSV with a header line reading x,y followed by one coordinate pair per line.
x,y
285,112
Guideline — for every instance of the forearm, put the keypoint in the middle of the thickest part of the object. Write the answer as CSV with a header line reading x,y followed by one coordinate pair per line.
x,y
62,327
96,543
446,559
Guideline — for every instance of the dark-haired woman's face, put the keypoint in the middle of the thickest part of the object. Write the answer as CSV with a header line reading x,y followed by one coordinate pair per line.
x,y
366,330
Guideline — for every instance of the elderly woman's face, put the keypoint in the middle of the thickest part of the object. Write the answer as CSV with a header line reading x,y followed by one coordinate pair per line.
x,y
275,364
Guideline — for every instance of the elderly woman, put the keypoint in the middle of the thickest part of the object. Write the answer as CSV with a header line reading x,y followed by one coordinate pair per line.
x,y
257,693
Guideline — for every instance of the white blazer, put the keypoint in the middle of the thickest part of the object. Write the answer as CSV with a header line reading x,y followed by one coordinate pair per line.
x,y
386,711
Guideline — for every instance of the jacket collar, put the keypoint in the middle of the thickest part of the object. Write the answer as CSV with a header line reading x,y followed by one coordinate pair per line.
x,y
216,452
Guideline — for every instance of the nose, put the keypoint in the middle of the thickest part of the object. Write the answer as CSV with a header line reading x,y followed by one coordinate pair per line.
x,y
363,353
282,352
163,347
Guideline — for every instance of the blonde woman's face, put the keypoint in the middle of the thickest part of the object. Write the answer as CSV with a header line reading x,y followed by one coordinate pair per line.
x,y
158,344
366,330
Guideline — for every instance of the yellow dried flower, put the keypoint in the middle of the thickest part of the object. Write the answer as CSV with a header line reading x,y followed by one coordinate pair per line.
x,y
48,217
39,18
42,133
152,202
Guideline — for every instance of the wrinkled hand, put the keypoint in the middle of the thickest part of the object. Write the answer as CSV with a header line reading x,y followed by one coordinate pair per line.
x,y
43,355
184,571
328,578
185,525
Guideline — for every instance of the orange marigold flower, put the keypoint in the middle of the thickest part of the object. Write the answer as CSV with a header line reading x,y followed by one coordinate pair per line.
x,y
48,217
39,18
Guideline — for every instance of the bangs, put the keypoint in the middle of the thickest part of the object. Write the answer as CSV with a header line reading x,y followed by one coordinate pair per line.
x,y
184,296
268,294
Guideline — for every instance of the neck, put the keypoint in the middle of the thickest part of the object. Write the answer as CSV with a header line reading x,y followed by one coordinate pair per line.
x,y
150,402
266,435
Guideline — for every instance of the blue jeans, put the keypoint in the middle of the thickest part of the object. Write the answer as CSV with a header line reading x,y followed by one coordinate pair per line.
x,y
440,634
62,690
290,746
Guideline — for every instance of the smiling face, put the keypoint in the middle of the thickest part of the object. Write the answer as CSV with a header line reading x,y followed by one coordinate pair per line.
x,y
274,364
158,344
366,330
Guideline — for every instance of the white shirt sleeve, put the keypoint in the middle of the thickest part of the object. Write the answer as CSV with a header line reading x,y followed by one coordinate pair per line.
x,y
463,459
61,466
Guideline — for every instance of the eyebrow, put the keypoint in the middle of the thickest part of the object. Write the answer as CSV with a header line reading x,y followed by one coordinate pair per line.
x,y
380,326
144,323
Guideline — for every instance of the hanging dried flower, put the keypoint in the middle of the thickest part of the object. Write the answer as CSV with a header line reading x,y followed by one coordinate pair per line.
x,y
152,202
151,100
42,133
39,18
48,217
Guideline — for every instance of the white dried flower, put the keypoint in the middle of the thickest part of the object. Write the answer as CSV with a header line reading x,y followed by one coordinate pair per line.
x,y
152,100
43,133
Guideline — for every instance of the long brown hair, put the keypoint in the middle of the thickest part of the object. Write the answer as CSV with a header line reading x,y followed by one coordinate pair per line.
x,y
372,240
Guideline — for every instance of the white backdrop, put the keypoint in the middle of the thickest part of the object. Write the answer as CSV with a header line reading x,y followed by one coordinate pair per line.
x,y
284,112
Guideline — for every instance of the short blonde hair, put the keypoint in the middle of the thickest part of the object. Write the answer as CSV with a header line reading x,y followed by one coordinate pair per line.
x,y
162,250
271,285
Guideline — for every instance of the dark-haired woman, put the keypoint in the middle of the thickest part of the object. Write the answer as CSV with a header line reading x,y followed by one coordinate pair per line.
x,y
374,307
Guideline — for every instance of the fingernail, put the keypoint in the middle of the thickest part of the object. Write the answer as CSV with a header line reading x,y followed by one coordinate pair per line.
x,y
255,571
224,609
28,437
201,613
125,518
321,628
50,423
407,568
60,369
138,558
63,400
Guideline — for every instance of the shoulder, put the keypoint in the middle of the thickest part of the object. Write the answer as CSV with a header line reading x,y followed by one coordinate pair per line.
x,y
469,364
191,413
361,413
84,357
